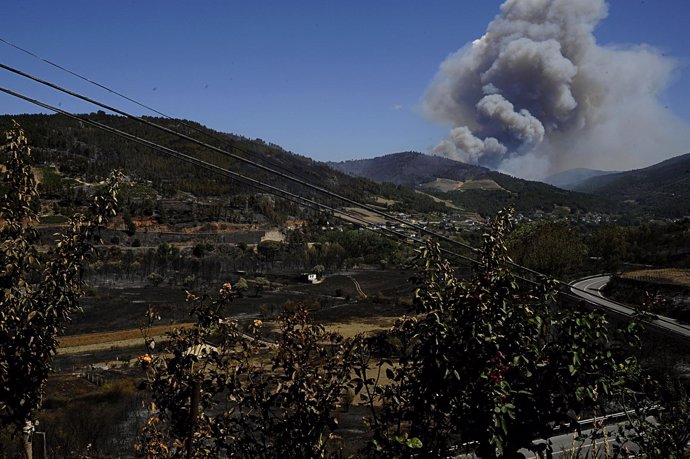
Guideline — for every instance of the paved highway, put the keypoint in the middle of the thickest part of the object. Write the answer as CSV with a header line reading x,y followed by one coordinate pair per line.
x,y
589,289
570,445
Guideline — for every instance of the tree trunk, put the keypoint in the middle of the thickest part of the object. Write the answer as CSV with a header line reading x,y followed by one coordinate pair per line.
x,y
193,415
27,437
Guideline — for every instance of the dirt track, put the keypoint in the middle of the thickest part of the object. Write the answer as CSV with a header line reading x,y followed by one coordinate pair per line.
x,y
94,342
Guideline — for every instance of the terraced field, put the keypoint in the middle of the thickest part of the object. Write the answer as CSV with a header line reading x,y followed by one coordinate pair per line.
x,y
671,276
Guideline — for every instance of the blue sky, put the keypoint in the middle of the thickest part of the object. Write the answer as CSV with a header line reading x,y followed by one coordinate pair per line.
x,y
330,80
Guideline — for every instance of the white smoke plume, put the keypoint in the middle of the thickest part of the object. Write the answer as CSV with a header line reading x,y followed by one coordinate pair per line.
x,y
536,94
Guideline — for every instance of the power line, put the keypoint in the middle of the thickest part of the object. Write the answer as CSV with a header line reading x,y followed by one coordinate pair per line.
x,y
88,80
140,104
274,190
304,183
303,180
239,158
253,182
71,72
260,166
253,163
228,173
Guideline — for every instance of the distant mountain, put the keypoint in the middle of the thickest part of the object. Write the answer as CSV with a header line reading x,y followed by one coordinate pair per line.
x,y
80,150
471,187
662,189
570,179
411,169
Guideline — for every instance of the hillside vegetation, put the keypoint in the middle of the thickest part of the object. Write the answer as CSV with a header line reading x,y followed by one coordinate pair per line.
x,y
411,169
570,179
482,190
662,189
86,152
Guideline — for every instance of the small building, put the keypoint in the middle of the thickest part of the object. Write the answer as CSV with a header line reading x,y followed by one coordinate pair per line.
x,y
308,277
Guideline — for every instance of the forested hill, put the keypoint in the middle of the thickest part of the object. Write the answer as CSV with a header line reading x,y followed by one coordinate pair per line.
x,y
662,189
572,178
411,169
472,187
81,150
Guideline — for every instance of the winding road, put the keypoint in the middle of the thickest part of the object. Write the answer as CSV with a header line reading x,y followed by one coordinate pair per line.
x,y
589,289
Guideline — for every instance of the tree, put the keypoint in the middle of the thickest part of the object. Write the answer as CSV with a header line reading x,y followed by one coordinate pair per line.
x,y
268,250
319,270
261,284
255,400
491,361
241,286
130,226
553,248
39,291
154,279
199,250
609,243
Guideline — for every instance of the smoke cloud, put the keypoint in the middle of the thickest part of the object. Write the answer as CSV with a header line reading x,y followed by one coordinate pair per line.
x,y
536,94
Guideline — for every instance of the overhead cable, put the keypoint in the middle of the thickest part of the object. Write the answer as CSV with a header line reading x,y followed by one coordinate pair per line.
x,y
134,101
302,182
234,175
299,181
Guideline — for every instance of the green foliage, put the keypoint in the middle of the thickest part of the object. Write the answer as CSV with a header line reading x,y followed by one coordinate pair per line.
x,y
52,183
656,243
660,190
351,246
261,284
268,250
660,244
256,400
53,219
528,197
241,286
75,146
130,226
553,248
491,361
40,291
319,270
660,424
608,242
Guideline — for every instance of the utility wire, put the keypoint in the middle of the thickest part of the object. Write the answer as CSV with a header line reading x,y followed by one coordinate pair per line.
x,y
260,166
140,104
258,184
147,107
88,80
240,158
117,93
273,190
304,183
234,175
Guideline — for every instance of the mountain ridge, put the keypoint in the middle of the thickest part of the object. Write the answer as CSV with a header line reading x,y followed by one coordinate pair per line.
x,y
418,170
410,168
79,149
571,178
662,188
